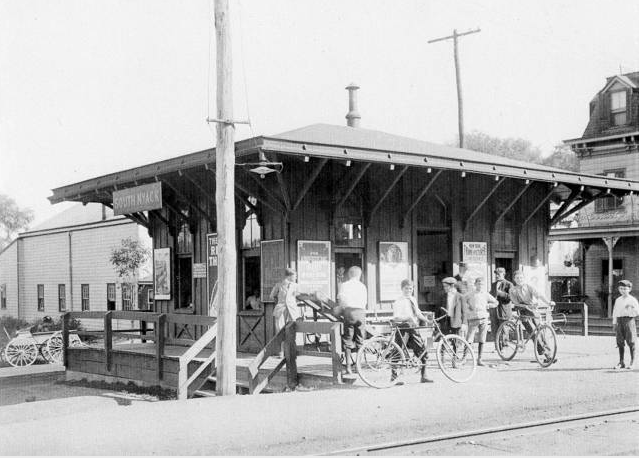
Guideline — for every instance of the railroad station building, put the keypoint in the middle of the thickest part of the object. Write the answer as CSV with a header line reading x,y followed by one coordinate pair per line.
x,y
322,198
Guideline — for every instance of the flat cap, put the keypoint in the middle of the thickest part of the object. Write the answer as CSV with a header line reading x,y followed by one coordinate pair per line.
x,y
627,283
449,281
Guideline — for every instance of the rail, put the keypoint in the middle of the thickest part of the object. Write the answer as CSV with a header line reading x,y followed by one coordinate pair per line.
x,y
581,307
160,337
287,336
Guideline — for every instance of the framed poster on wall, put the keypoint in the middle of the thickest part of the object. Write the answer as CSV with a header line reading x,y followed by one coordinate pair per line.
x,y
314,267
162,273
393,268
475,259
211,271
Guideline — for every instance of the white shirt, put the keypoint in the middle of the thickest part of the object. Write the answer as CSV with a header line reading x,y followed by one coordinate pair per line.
x,y
404,309
625,306
353,294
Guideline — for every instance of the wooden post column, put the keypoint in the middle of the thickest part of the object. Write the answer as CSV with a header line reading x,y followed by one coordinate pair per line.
x,y
225,203
610,244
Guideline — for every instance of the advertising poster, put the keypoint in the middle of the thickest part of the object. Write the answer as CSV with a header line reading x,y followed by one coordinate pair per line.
x,y
162,273
314,267
393,268
211,271
475,263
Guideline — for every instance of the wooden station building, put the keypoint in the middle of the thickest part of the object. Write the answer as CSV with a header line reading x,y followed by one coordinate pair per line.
x,y
397,207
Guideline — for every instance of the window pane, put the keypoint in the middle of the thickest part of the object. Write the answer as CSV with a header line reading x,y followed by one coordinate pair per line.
x,y
619,119
618,100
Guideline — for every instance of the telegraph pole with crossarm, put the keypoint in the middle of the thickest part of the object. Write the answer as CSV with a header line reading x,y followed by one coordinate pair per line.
x,y
460,106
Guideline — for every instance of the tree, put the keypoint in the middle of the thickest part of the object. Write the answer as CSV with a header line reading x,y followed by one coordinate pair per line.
x,y
126,260
563,158
13,219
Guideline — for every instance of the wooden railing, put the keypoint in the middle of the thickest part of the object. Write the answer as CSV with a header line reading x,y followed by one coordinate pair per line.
x,y
572,306
286,336
184,380
160,336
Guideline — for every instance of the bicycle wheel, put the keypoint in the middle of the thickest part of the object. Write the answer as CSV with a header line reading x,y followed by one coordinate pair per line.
x,y
456,358
546,342
506,340
380,363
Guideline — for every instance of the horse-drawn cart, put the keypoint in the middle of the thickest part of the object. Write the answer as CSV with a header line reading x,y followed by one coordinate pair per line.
x,y
25,347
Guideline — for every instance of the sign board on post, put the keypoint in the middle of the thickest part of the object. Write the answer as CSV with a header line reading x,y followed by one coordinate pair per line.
x,y
272,264
393,268
199,270
211,268
475,257
314,267
137,199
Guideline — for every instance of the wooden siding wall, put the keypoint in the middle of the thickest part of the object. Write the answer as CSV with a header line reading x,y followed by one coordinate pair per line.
x,y
447,205
9,277
599,162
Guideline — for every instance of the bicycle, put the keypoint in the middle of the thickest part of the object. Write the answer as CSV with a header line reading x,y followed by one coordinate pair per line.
x,y
381,361
509,339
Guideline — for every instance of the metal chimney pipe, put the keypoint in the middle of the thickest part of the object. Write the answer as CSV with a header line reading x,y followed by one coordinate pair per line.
x,y
353,116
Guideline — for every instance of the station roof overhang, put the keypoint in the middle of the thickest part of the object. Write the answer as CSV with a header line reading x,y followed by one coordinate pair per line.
x,y
585,233
342,143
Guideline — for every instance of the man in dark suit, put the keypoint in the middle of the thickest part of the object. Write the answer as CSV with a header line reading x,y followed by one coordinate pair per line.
x,y
499,290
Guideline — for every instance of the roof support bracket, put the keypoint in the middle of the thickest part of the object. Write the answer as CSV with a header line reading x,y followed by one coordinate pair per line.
x,y
419,197
512,203
571,198
309,182
283,189
541,204
483,202
189,202
268,191
581,205
352,186
263,201
386,193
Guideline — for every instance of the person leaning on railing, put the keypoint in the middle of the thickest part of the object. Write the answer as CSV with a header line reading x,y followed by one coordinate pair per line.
x,y
284,294
352,298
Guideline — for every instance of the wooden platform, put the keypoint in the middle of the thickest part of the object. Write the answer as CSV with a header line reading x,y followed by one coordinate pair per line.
x,y
137,362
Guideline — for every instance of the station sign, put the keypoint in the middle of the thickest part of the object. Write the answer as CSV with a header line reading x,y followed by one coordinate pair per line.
x,y
137,199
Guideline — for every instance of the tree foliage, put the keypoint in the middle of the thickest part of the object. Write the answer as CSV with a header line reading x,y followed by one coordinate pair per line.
x,y
13,219
562,156
128,257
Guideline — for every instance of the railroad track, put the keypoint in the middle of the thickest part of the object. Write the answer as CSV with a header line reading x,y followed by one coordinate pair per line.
x,y
404,447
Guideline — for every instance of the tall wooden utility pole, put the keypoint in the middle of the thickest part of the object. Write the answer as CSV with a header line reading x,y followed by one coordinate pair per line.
x,y
225,203
460,106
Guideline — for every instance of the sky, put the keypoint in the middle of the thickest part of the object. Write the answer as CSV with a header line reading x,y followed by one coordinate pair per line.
x,y
92,87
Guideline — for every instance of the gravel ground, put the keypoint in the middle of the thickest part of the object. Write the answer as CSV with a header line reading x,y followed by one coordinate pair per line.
x,y
322,421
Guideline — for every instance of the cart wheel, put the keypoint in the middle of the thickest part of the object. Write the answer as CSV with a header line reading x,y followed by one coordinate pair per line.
x,y
54,348
21,352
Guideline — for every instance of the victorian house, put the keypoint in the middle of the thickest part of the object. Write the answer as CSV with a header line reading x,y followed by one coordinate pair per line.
x,y
608,228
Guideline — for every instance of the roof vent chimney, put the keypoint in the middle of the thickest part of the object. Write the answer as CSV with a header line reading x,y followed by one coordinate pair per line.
x,y
353,116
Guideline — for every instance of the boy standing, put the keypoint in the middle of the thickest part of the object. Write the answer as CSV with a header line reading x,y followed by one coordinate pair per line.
x,y
623,322
407,315
476,315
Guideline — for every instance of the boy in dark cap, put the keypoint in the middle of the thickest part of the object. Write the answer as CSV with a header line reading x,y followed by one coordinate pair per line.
x,y
623,322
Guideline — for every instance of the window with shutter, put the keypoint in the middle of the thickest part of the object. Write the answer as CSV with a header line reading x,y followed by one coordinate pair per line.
x,y
610,203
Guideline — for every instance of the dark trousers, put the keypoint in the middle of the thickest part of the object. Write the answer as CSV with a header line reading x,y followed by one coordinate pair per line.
x,y
412,340
626,331
354,328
